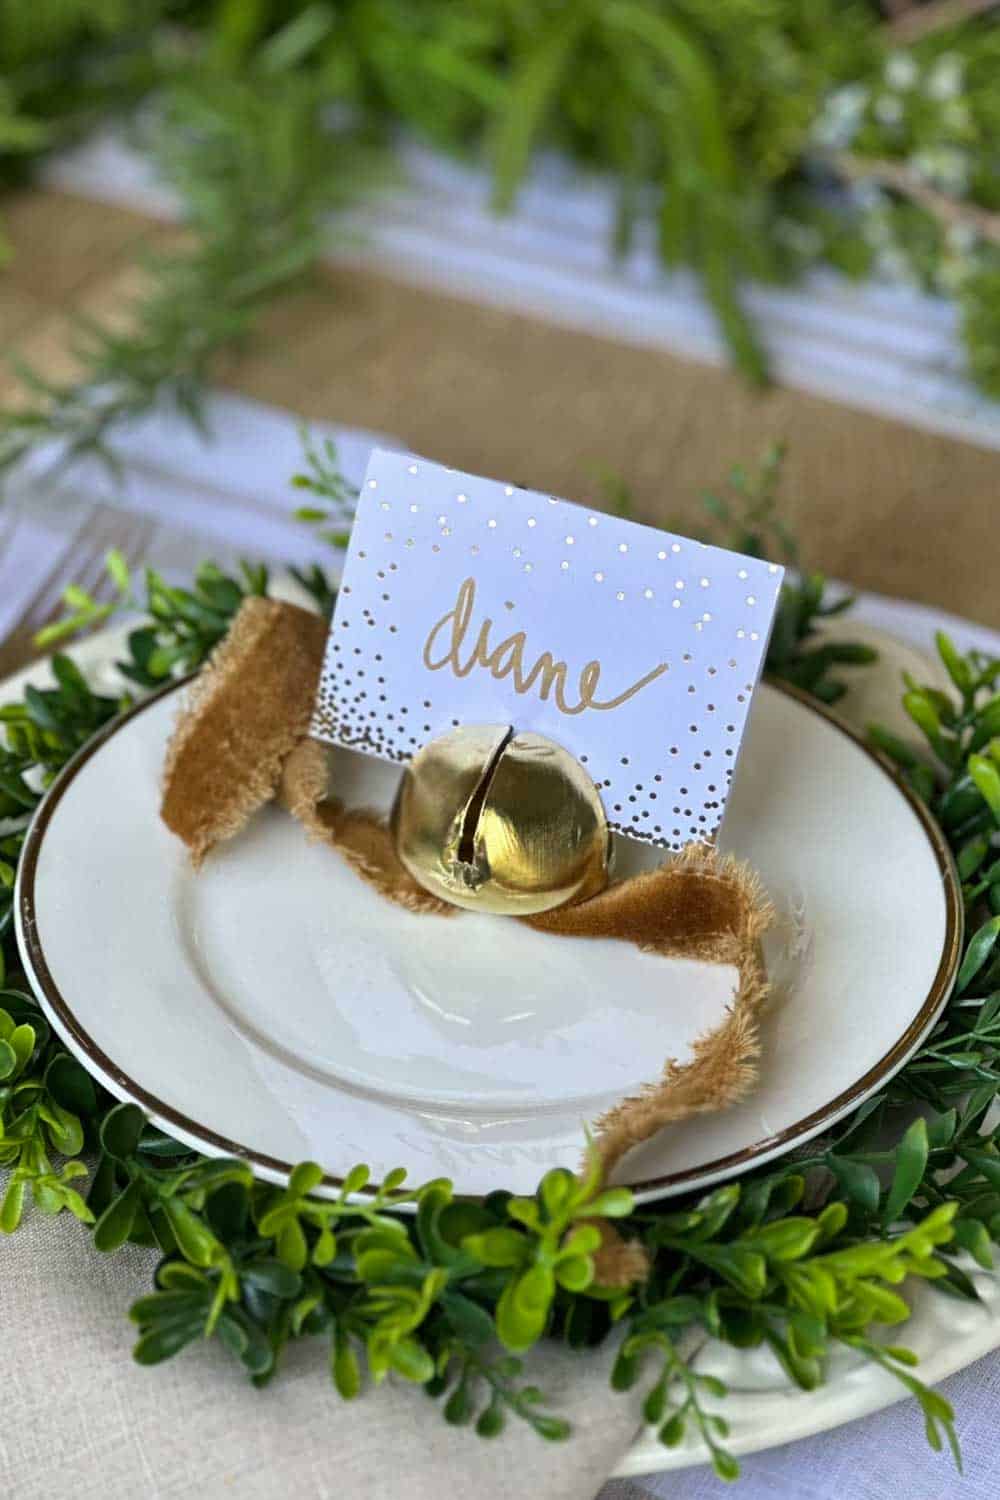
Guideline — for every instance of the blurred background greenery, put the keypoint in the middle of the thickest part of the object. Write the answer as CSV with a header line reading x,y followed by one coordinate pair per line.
x,y
760,137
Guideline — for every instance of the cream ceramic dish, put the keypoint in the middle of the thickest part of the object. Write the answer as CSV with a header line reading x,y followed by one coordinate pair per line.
x,y
275,1007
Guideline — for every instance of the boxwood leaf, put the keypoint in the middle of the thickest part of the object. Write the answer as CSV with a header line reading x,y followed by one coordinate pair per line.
x,y
195,1240
274,1277
472,1323
858,1180
978,951
971,1235
121,1129
115,1224
523,1308
411,1360
161,1343
491,1422
911,1163
70,1085
12,1206
345,1368
305,1177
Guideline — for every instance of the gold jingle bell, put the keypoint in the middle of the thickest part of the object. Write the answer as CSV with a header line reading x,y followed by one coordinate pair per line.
x,y
501,822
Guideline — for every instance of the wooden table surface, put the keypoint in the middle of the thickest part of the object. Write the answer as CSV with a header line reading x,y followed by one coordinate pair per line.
x,y
879,504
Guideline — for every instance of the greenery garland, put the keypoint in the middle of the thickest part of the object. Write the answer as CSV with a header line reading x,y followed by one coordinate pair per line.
x,y
802,1256
755,138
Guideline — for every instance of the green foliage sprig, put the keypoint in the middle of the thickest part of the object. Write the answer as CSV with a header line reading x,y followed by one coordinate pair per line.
x,y
256,169
333,499
453,1295
747,517
450,1295
756,141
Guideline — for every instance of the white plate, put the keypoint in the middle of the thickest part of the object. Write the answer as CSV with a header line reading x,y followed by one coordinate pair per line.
x,y
274,1006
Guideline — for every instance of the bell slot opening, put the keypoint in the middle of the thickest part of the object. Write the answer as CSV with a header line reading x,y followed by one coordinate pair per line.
x,y
476,803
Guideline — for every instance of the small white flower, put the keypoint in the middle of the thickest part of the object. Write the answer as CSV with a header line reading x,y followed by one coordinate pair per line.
x,y
900,71
893,265
943,167
868,196
888,109
841,117
851,99
961,238
945,79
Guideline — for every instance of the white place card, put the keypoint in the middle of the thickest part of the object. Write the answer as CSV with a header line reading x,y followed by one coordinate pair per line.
x,y
467,601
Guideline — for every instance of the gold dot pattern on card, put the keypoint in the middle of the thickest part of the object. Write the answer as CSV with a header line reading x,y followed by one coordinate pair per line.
x,y
657,725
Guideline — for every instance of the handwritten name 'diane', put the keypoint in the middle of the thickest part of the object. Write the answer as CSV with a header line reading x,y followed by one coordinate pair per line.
x,y
445,644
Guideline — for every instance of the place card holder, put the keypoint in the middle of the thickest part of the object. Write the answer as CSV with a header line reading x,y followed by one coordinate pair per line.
x,y
502,822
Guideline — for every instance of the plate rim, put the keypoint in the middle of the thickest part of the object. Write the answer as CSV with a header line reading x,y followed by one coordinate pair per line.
x,y
78,1038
